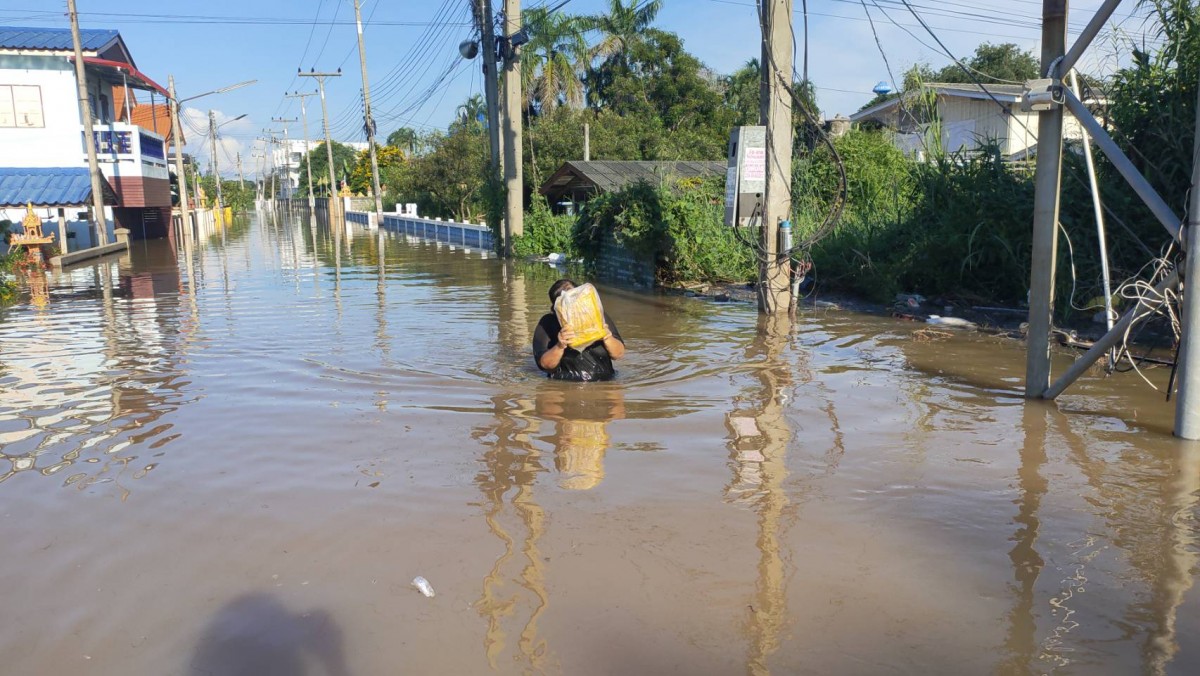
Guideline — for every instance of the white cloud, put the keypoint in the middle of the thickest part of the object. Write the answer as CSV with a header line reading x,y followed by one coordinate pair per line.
x,y
234,136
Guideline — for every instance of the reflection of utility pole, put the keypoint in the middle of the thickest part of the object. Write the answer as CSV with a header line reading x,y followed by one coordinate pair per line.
x,y
307,150
776,111
770,609
334,207
514,208
1027,563
89,137
368,121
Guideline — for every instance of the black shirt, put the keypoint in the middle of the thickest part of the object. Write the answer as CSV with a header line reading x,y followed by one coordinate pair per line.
x,y
592,363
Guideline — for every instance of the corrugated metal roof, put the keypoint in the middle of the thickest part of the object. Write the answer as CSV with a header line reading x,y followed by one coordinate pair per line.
x,y
609,175
54,39
49,187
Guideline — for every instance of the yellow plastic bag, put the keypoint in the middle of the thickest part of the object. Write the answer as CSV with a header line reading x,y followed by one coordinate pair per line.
x,y
581,310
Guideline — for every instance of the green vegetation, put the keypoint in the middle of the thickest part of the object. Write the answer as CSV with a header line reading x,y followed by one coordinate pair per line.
x,y
952,226
8,289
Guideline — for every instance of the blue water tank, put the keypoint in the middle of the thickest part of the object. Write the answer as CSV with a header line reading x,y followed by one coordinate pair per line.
x,y
882,88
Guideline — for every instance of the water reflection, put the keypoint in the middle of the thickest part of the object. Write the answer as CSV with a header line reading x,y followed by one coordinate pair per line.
x,y
580,438
759,439
514,592
87,383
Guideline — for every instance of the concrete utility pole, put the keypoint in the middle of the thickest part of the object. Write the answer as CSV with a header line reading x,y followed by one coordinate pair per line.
x,y
334,208
287,153
487,32
514,207
307,150
177,141
1045,209
89,136
368,120
212,137
1187,403
587,142
776,112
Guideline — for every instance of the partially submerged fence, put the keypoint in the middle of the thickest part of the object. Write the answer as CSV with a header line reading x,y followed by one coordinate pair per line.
x,y
462,234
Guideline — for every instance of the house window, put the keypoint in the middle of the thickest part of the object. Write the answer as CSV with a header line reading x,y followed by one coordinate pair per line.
x,y
21,106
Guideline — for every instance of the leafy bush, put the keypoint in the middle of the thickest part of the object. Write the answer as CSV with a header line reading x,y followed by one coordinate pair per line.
x,y
545,233
678,223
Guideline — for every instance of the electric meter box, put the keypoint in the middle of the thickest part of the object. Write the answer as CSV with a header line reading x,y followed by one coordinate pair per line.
x,y
746,175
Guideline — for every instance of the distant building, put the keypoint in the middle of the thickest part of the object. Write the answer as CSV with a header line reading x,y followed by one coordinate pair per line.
x,y
967,118
288,162
576,182
40,129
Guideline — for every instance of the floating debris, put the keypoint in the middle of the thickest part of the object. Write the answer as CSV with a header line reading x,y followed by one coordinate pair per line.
x,y
423,586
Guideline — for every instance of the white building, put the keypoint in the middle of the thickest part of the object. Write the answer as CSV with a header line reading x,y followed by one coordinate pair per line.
x,y
43,160
966,118
287,162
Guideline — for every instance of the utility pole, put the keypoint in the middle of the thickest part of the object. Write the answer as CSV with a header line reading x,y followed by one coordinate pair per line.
x,y
487,31
587,142
1187,403
212,137
369,122
287,153
177,141
776,111
1047,183
241,177
89,137
307,151
514,207
334,208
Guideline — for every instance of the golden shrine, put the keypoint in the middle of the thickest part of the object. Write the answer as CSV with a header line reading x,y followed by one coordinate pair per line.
x,y
32,239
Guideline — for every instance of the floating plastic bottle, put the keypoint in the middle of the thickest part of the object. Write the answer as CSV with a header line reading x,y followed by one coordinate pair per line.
x,y
423,586
581,310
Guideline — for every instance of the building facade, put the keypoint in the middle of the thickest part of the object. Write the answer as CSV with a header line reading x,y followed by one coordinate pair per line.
x,y
41,128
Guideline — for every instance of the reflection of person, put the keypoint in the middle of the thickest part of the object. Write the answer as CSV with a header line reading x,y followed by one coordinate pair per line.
x,y
561,362
581,438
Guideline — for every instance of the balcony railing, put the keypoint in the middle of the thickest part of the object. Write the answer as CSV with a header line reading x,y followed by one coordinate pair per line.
x,y
118,142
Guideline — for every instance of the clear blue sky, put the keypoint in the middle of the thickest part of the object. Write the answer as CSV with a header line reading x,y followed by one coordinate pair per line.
x,y
412,43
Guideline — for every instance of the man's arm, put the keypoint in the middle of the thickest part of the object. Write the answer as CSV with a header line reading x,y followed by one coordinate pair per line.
x,y
612,339
549,357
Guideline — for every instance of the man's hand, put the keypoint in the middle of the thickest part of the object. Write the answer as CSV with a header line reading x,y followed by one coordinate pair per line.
x,y
565,336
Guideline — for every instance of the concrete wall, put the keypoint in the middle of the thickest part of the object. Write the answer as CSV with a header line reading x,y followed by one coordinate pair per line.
x,y
622,266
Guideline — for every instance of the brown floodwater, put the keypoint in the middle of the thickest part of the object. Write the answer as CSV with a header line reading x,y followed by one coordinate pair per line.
x,y
234,458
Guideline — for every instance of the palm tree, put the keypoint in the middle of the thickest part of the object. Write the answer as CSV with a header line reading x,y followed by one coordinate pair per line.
x,y
553,60
471,111
404,138
622,28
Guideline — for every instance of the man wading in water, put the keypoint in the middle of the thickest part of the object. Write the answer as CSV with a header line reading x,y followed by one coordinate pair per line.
x,y
561,362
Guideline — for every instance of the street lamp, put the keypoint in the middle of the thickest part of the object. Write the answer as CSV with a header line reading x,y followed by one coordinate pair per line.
x,y
177,134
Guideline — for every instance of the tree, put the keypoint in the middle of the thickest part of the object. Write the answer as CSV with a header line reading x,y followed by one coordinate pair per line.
x,y
554,60
992,63
622,28
344,159
404,138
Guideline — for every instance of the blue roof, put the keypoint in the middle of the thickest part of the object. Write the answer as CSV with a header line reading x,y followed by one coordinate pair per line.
x,y
54,39
49,187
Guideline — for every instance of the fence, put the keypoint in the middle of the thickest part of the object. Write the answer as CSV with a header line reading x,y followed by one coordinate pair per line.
x,y
450,232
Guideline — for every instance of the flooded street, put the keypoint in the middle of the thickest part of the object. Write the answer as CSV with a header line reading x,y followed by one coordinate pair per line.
x,y
234,457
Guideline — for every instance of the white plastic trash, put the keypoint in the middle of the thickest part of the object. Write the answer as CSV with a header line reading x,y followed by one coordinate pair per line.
x,y
952,322
423,586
